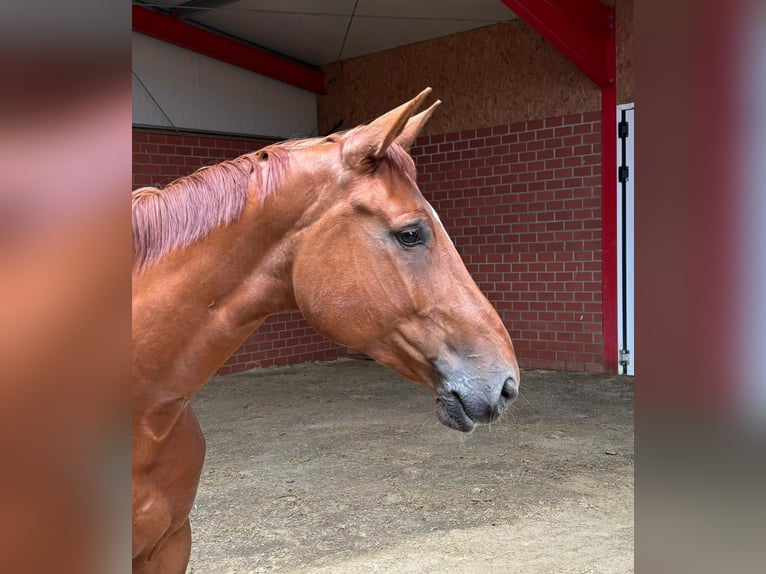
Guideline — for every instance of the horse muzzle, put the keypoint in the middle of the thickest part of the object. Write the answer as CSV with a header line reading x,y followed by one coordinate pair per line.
x,y
465,402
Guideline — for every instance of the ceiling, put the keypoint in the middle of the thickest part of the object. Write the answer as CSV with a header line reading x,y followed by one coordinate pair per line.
x,y
321,31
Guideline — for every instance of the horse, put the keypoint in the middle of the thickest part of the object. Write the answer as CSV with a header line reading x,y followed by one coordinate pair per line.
x,y
334,227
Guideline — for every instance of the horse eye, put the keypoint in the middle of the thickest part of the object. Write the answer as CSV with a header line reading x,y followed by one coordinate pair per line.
x,y
409,237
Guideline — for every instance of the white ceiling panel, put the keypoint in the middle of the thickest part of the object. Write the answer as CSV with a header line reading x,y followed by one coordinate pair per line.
x,y
163,3
487,11
333,7
322,31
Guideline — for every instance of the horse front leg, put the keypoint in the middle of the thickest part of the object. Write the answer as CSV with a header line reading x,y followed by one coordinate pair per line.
x,y
165,486
172,558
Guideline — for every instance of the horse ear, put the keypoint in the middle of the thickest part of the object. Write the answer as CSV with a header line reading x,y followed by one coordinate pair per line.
x,y
414,126
368,144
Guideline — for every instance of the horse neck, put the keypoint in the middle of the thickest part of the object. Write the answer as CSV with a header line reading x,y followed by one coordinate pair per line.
x,y
198,305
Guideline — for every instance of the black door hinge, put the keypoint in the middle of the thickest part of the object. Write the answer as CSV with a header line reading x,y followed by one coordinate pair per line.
x,y
623,173
623,129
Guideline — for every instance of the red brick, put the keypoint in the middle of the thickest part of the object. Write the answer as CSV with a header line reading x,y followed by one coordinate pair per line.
x,y
544,154
169,170
554,122
592,116
573,119
483,132
591,139
141,180
554,143
544,134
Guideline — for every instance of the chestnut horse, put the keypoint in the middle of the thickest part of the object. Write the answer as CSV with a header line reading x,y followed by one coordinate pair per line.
x,y
334,227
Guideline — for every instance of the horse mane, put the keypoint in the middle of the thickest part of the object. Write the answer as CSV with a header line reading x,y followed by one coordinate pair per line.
x,y
190,207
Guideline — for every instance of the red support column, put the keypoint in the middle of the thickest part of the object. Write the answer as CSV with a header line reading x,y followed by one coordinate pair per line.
x,y
609,226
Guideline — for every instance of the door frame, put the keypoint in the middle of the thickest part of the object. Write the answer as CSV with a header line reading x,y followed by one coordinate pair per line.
x,y
626,356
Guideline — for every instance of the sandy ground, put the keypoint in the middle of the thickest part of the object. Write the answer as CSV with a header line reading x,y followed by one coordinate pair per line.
x,y
343,468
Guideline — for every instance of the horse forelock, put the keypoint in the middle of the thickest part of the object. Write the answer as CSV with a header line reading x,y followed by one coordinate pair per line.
x,y
401,162
397,158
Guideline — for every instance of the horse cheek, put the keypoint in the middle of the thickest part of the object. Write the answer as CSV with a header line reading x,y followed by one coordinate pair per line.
x,y
323,296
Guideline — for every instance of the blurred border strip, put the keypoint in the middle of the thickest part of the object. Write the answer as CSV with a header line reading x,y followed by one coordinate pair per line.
x,y
700,464
752,232
65,159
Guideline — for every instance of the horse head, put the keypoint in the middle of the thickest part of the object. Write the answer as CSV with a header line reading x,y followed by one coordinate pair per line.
x,y
376,270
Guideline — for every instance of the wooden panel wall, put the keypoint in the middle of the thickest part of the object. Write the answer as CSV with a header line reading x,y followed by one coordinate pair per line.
x,y
625,35
490,76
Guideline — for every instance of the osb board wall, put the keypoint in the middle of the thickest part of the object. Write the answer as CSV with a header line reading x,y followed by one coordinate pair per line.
x,y
624,41
490,76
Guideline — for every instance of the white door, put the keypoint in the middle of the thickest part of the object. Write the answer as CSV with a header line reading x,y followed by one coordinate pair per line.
x,y
626,174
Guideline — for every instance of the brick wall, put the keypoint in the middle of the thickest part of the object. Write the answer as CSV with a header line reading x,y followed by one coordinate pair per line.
x,y
523,205
283,339
161,156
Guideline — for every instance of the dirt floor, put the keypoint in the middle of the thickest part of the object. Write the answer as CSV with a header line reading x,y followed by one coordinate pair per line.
x,y
343,468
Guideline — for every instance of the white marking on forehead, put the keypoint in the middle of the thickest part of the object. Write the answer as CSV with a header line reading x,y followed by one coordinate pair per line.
x,y
439,221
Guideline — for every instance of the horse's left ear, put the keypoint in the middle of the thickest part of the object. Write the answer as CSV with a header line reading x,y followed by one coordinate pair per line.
x,y
368,144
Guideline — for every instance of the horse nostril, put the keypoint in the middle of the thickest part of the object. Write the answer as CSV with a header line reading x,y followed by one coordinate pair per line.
x,y
509,392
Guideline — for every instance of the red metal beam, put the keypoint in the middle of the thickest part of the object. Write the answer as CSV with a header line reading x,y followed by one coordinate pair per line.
x,y
174,31
609,226
584,31
579,29
609,196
